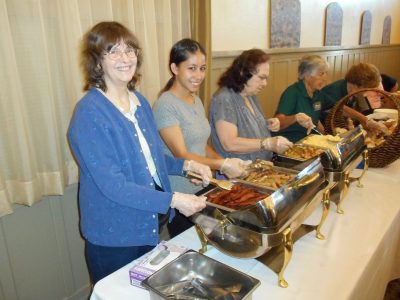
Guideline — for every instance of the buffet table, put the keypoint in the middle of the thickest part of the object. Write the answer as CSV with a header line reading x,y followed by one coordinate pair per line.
x,y
360,254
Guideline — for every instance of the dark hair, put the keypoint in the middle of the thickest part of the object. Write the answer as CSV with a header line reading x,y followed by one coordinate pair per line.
x,y
98,40
179,53
363,75
388,82
242,69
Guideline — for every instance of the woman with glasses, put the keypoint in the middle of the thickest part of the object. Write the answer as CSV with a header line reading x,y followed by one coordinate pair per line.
x,y
125,197
182,122
238,125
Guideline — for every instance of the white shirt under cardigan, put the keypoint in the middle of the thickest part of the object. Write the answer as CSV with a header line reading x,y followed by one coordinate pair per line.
x,y
130,115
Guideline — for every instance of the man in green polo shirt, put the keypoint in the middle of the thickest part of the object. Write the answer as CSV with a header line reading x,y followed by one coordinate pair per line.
x,y
300,104
358,77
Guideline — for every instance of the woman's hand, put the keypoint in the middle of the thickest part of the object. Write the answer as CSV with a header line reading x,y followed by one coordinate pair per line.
x,y
377,126
198,168
234,167
188,204
278,144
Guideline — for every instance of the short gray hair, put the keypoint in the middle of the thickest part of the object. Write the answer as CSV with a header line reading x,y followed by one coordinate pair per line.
x,y
310,64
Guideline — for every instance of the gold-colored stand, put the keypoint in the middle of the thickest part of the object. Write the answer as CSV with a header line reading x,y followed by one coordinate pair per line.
x,y
366,166
325,210
202,237
347,180
278,257
306,228
346,185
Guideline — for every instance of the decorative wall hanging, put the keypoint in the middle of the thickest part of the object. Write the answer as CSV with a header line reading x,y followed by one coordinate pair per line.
x,y
387,28
333,25
285,24
366,21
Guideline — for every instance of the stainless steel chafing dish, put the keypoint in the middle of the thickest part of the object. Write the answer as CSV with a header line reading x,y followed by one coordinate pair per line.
x,y
338,163
268,229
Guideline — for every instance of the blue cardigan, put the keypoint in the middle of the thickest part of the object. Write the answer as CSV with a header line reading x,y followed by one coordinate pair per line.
x,y
118,203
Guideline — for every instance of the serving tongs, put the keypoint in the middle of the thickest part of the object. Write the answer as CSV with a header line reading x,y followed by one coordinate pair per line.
x,y
223,184
259,164
315,130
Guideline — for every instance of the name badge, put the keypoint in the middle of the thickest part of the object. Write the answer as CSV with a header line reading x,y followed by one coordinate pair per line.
x,y
317,106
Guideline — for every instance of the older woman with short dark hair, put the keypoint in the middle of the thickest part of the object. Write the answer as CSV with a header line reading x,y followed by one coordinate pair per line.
x,y
238,125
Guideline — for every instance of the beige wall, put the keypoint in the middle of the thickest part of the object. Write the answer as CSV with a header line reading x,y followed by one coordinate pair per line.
x,y
238,24
243,24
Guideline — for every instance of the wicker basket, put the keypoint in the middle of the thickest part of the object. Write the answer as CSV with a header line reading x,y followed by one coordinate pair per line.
x,y
387,152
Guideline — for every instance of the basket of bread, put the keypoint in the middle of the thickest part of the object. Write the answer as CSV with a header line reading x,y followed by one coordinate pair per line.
x,y
378,113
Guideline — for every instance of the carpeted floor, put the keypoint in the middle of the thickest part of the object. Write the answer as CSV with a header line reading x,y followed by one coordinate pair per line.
x,y
393,290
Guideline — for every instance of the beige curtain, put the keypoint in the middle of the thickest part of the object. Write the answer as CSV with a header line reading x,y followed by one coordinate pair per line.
x,y
40,81
200,16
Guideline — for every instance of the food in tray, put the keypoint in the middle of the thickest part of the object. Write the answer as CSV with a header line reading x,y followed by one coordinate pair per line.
x,y
303,152
268,176
238,197
333,138
340,130
325,141
374,141
375,138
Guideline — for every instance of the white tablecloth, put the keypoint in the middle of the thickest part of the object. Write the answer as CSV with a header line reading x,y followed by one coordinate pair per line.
x,y
360,255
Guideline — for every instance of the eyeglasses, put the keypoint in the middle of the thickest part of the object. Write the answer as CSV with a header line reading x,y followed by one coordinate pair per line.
x,y
115,54
262,78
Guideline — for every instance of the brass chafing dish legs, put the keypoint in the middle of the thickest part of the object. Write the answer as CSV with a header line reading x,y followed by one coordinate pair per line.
x,y
346,186
325,210
366,165
278,257
348,180
288,250
304,229
202,237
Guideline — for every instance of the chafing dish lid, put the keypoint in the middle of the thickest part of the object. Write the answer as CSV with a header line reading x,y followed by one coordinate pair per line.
x,y
350,146
272,213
